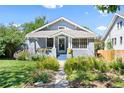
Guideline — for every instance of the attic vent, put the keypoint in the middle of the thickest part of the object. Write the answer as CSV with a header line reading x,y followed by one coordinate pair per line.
x,y
61,27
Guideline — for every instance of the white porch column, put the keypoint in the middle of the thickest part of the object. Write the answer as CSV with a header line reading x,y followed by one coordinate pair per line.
x,y
46,42
69,42
54,42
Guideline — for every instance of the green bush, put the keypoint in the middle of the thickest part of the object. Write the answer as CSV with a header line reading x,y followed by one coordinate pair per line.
x,y
100,65
101,77
82,75
38,76
117,66
50,63
22,55
37,57
79,63
85,64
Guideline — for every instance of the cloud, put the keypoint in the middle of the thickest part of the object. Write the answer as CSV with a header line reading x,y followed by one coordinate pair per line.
x,y
16,25
86,13
52,6
103,13
101,28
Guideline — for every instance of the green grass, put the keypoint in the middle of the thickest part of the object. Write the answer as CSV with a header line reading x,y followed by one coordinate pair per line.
x,y
14,73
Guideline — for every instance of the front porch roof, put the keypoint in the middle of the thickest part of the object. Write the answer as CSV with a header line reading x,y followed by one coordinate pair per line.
x,y
70,33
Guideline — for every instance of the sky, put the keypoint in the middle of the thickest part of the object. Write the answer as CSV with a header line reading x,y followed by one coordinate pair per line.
x,y
83,15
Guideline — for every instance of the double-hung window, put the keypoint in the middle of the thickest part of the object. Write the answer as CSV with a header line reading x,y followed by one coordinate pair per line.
x,y
119,25
79,43
121,40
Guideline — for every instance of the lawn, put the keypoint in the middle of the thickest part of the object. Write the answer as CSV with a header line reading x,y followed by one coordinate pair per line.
x,y
15,73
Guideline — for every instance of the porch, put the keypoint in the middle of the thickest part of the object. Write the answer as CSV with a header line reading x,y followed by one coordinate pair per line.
x,y
58,42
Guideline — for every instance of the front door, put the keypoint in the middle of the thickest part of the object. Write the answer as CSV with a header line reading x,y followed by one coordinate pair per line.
x,y
62,45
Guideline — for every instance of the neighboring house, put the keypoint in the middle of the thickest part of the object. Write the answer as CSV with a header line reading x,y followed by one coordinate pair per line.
x,y
115,33
61,35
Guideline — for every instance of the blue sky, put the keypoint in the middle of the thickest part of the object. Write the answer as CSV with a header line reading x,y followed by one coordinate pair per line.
x,y
83,15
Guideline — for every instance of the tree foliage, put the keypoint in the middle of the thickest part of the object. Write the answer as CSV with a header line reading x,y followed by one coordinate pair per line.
x,y
30,26
108,8
10,38
98,44
109,45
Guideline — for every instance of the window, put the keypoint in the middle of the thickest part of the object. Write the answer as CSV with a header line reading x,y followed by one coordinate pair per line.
x,y
121,40
114,41
75,43
83,43
49,42
79,43
119,25
61,27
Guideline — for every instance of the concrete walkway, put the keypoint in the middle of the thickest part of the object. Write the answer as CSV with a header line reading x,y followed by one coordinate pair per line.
x,y
60,77
59,81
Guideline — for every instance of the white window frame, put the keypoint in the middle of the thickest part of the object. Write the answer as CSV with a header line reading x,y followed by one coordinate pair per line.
x,y
47,41
79,44
64,27
64,44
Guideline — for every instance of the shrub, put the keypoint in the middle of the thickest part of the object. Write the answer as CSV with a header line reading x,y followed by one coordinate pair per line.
x,y
49,63
38,76
22,55
117,66
79,63
37,57
100,65
102,77
82,75
85,64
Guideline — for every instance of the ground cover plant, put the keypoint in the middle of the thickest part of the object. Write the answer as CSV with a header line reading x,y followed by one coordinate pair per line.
x,y
94,72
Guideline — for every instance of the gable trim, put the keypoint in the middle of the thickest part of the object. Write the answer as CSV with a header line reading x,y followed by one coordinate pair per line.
x,y
111,25
61,33
62,18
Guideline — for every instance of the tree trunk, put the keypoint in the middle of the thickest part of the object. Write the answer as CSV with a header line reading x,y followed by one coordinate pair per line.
x,y
9,50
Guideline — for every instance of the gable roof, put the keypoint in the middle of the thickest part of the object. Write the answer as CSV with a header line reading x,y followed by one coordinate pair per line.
x,y
112,23
65,19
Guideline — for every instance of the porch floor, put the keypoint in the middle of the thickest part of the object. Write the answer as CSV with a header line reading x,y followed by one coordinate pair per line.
x,y
62,57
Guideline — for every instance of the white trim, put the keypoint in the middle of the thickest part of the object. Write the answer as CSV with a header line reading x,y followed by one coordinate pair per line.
x,y
54,42
111,24
59,33
64,44
79,44
62,18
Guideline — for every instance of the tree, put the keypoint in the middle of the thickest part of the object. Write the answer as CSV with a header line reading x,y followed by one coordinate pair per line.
x,y
10,38
109,45
98,44
108,8
30,26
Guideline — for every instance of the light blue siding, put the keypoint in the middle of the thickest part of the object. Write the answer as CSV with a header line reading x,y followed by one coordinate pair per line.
x,y
60,23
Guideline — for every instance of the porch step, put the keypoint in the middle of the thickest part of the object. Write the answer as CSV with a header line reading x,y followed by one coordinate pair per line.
x,y
62,57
